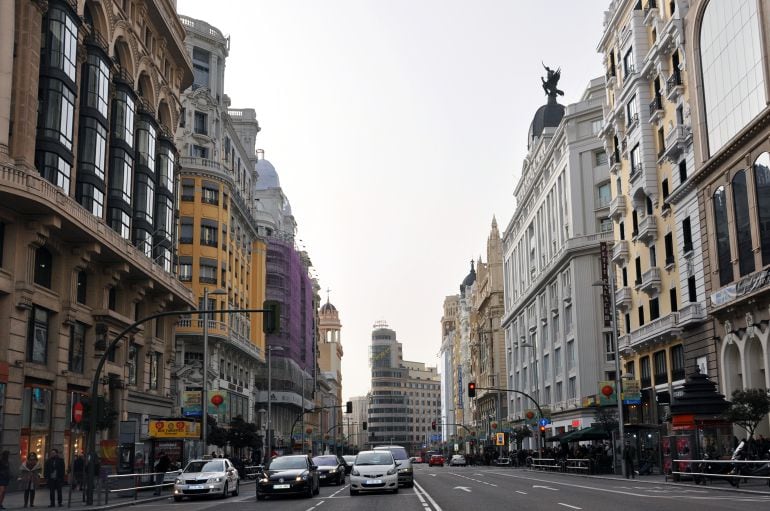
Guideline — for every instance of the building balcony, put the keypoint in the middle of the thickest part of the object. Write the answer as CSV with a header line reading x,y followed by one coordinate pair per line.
x,y
660,330
623,298
611,79
614,160
651,281
650,12
635,173
674,86
677,141
648,229
220,330
656,109
672,34
618,207
620,252
692,314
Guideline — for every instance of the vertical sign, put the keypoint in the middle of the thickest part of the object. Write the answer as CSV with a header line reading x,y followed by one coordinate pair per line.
x,y
460,386
605,285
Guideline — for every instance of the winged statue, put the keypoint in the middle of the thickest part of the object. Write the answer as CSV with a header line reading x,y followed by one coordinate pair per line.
x,y
549,84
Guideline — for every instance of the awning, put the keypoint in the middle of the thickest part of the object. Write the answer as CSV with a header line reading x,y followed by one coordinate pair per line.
x,y
592,433
556,438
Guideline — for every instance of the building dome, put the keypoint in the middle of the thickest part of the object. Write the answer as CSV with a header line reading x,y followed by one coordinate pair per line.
x,y
267,177
328,307
469,279
547,116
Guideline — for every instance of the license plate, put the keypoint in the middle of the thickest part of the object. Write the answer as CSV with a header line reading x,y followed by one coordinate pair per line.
x,y
281,486
374,481
323,476
196,487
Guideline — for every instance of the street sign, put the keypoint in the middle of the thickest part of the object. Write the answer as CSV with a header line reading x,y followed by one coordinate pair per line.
x,y
544,421
500,440
77,412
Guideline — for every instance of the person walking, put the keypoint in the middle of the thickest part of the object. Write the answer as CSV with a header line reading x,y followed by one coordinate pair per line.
x,y
161,467
29,475
53,471
629,454
5,475
78,471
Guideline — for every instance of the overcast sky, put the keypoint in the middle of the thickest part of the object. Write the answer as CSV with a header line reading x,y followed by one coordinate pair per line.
x,y
398,128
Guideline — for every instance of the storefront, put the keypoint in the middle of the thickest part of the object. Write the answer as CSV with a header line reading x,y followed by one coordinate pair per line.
x,y
37,400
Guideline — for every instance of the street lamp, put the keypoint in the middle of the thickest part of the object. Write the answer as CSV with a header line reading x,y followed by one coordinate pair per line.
x,y
618,379
205,387
270,349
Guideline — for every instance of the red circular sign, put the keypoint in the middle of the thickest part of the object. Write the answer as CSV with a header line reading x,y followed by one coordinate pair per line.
x,y
494,425
217,400
607,390
309,431
530,414
77,412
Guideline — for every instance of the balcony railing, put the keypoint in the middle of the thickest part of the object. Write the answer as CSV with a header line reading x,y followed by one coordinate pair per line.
x,y
650,11
651,281
620,252
656,109
618,206
674,86
677,141
623,298
663,328
648,229
692,313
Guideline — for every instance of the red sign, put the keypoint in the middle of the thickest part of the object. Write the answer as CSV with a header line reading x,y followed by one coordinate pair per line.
x,y
77,412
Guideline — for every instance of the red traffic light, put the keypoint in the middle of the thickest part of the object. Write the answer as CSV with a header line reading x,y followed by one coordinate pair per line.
x,y
471,389
542,429
433,425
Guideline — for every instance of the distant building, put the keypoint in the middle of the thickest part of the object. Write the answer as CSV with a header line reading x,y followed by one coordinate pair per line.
x,y
330,363
446,365
354,424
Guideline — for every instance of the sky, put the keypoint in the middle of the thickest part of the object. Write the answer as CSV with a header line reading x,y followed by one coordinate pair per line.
x,y
398,129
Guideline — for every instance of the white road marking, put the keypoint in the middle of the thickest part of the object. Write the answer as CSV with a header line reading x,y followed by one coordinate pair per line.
x,y
544,487
435,505
463,488
432,475
567,505
336,492
522,492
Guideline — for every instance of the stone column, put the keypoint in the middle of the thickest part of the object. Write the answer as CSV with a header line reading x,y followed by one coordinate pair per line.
x,y
7,20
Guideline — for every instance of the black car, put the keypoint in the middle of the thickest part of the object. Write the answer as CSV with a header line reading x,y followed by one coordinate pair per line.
x,y
288,475
331,469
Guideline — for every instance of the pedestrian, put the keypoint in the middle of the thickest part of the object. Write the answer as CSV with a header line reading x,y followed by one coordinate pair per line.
x,y
29,475
161,467
5,475
78,471
629,454
53,471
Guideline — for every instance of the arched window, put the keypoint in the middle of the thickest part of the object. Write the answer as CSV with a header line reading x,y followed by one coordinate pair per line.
x,y
742,223
731,64
762,184
723,237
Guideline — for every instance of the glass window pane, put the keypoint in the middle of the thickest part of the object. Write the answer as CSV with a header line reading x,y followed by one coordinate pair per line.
x,y
742,224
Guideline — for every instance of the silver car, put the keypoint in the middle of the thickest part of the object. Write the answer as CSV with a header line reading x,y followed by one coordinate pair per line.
x,y
374,471
207,477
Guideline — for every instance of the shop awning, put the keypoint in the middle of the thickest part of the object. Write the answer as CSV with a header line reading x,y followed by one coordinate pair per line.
x,y
592,433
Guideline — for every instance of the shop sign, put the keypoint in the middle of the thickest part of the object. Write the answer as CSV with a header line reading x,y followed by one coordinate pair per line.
x,y
191,403
607,393
174,429
744,286
632,392
606,305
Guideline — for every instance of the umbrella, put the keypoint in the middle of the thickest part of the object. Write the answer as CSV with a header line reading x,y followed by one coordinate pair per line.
x,y
592,433
556,438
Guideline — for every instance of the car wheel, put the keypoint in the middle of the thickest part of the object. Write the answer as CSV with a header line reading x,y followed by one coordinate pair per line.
x,y
224,491
260,496
353,492
310,491
177,499
237,488
396,490
411,484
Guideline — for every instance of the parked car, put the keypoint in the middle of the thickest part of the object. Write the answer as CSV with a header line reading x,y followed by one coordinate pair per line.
x,y
349,459
405,470
458,460
418,459
503,461
331,469
437,460
374,471
207,477
293,474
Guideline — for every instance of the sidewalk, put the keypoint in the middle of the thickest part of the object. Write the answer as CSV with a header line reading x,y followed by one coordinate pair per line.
x,y
753,486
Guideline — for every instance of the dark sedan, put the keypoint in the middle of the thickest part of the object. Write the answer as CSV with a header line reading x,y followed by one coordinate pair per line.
x,y
287,475
331,469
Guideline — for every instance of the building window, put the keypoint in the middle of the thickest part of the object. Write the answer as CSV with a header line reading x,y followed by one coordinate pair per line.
x,y
188,190
120,222
692,293
165,168
112,299
672,298
43,267
661,372
92,152
669,243
37,338
198,151
2,242
82,286
742,224
622,229
201,61
556,362
731,60
570,355
201,123
686,235
682,171
644,370
132,363
664,188
144,198
605,225
609,347
55,169
572,388
722,237
210,195
96,84
624,276
640,311
559,396
155,364
208,272
628,62
653,257
77,347
632,111
604,195
762,184
186,230
209,235
677,362
123,108
145,143
638,265
91,198
600,157
185,272
121,173
654,309
636,161
627,321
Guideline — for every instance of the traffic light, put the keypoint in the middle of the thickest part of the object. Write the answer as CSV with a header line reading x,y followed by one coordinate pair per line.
x,y
433,425
349,407
471,389
542,430
364,425
271,317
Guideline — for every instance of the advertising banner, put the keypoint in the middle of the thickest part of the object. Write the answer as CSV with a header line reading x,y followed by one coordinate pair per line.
x,y
218,402
191,403
607,394
500,440
632,392
174,429
606,305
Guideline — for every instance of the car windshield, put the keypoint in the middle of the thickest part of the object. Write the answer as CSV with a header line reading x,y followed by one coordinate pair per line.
x,y
288,462
398,453
326,461
205,466
375,458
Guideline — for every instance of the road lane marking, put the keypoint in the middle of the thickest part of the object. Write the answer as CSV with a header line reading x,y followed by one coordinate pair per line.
x,y
435,505
336,492
567,505
544,487
463,488
522,492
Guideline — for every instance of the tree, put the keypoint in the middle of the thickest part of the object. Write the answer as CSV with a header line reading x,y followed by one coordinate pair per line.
x,y
242,434
519,434
748,408
216,435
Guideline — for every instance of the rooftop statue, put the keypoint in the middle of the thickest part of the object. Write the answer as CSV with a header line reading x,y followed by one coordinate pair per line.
x,y
549,84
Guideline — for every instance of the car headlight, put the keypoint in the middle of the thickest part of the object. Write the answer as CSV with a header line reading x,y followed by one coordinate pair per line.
x,y
354,472
302,477
264,480
178,481
218,479
332,470
392,471
403,470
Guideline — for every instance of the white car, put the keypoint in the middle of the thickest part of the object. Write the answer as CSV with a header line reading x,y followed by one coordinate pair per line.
x,y
458,460
374,471
207,477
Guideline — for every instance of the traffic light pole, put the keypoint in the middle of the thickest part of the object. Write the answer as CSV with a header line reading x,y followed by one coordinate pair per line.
x,y
94,397
537,405
301,415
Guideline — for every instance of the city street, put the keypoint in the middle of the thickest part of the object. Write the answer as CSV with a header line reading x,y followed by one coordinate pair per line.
x,y
488,488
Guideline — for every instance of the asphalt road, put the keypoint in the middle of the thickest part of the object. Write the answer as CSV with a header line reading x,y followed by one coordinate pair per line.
x,y
487,488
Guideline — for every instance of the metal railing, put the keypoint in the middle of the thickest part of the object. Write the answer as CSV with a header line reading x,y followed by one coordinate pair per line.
x,y
734,476
116,483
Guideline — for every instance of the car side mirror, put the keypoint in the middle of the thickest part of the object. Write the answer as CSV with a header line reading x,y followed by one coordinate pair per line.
x,y
398,463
